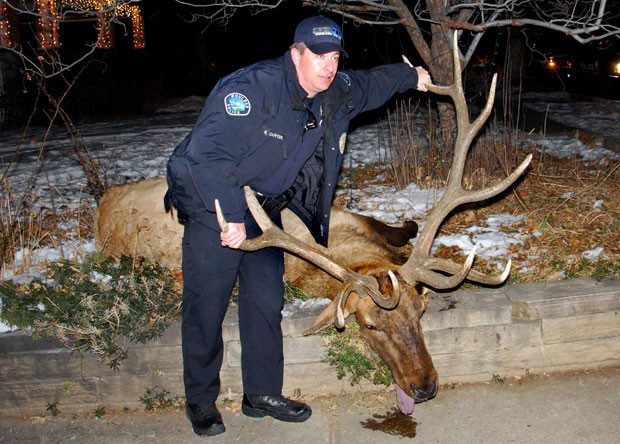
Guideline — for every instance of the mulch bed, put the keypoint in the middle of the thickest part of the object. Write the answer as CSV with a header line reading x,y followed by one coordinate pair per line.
x,y
569,208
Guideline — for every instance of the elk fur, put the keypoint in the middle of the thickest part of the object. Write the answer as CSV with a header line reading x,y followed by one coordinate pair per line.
x,y
131,221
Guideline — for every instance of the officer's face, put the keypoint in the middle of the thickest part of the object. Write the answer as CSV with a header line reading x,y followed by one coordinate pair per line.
x,y
315,71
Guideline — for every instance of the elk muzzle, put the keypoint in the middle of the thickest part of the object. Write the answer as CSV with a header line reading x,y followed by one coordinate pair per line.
x,y
425,392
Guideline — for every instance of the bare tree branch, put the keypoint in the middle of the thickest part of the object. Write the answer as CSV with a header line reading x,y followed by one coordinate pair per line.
x,y
221,11
32,58
583,20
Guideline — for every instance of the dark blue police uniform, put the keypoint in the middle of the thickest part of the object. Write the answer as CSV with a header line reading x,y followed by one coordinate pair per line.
x,y
257,128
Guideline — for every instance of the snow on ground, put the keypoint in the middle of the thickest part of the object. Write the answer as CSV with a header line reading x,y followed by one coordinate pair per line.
x,y
139,148
595,115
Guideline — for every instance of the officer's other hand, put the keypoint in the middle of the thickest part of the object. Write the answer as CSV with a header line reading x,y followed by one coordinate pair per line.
x,y
235,235
424,78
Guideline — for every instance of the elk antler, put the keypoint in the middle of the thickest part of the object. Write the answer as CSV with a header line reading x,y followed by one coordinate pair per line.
x,y
421,267
273,236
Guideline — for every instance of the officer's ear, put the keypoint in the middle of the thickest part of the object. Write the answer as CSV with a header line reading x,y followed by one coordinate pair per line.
x,y
295,55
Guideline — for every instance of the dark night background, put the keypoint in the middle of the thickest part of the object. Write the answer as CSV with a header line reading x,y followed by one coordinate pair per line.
x,y
181,58
185,58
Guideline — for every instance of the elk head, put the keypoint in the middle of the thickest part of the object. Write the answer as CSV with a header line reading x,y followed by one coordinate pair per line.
x,y
388,304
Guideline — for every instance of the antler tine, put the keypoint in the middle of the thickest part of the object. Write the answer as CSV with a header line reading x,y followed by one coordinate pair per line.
x,y
448,266
273,236
421,267
352,285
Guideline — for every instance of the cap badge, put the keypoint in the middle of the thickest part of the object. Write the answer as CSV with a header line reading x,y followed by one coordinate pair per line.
x,y
327,30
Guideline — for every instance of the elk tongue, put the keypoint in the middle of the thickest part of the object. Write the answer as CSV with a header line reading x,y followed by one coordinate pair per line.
x,y
405,402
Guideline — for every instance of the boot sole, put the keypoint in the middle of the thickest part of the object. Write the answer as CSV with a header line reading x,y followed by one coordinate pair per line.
x,y
215,429
260,413
211,431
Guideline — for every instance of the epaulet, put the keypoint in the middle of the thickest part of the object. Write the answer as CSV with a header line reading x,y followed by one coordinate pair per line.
x,y
344,76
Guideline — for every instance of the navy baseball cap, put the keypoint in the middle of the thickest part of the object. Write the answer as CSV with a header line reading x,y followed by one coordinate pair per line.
x,y
320,35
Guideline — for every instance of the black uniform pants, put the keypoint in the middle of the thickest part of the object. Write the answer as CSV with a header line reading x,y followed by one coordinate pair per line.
x,y
209,275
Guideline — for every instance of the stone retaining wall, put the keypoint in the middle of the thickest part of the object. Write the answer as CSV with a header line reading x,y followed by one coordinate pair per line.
x,y
472,335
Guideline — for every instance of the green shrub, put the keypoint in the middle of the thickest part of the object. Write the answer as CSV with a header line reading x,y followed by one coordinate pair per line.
x,y
292,293
160,399
350,354
99,305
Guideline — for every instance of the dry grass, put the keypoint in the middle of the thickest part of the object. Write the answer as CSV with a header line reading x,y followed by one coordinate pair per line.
x,y
561,227
25,230
573,208
569,209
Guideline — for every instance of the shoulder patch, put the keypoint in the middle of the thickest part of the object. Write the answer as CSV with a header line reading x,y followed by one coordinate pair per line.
x,y
237,104
345,77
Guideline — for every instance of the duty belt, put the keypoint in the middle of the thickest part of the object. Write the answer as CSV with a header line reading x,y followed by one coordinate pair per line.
x,y
275,203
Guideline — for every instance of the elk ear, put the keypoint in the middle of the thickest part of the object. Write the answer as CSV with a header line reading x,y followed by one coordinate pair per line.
x,y
322,321
327,316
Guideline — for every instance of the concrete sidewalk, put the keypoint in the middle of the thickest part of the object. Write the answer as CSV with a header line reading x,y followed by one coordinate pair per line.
x,y
577,407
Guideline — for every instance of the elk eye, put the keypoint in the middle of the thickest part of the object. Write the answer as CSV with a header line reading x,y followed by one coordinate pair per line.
x,y
371,327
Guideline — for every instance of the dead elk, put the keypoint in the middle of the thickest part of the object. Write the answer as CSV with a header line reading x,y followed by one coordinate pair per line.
x,y
382,290
388,303
130,220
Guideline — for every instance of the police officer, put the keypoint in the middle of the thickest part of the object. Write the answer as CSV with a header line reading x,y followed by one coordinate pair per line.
x,y
280,127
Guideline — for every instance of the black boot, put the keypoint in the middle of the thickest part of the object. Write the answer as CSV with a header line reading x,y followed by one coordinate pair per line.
x,y
276,406
205,418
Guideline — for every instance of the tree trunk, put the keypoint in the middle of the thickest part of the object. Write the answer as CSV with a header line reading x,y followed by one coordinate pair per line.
x,y
438,59
11,108
442,71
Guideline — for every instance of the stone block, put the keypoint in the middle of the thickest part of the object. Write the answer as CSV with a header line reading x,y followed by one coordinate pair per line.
x,y
580,328
465,365
557,299
32,397
22,341
171,336
592,353
33,366
483,339
296,350
469,308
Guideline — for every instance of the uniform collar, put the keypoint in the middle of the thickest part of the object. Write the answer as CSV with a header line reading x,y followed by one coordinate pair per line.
x,y
297,93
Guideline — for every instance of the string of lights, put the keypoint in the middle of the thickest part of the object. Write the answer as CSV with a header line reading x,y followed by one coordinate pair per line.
x,y
5,27
105,29
89,5
137,25
48,24
49,19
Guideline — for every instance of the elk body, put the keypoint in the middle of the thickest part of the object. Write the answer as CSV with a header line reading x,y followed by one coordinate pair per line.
x,y
131,221
383,290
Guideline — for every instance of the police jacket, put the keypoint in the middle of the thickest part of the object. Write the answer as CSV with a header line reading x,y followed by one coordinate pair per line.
x,y
253,119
